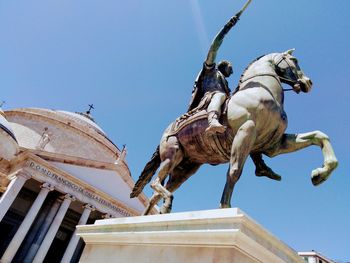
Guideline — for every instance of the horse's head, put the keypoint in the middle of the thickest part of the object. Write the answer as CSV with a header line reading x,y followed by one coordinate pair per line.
x,y
287,68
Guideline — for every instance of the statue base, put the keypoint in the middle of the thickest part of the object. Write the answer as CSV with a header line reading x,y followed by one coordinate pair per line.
x,y
221,235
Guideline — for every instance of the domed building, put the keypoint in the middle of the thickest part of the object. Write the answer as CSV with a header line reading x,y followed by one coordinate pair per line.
x,y
58,169
8,140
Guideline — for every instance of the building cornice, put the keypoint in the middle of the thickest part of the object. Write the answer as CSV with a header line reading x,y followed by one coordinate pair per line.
x,y
30,162
122,169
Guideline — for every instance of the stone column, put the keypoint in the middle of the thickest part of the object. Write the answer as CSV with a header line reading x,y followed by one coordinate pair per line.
x,y
75,239
26,224
50,235
12,191
39,231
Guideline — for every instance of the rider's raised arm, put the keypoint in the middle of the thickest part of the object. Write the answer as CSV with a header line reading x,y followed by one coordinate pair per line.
x,y
218,40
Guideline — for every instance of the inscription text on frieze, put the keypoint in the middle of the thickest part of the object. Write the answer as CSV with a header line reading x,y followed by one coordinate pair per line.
x,y
74,187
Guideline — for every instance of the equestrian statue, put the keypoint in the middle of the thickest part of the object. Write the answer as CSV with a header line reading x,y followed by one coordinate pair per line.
x,y
220,128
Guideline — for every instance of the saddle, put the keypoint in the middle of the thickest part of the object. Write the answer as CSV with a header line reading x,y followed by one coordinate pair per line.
x,y
198,113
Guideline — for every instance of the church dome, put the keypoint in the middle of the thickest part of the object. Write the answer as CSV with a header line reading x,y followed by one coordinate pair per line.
x,y
62,132
83,118
8,141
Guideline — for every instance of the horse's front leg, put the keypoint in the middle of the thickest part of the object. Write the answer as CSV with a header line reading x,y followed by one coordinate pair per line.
x,y
295,142
240,149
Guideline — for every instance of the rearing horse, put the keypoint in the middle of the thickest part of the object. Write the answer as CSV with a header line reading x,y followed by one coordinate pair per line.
x,y
256,122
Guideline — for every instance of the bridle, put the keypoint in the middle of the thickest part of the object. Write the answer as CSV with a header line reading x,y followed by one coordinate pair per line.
x,y
276,76
285,80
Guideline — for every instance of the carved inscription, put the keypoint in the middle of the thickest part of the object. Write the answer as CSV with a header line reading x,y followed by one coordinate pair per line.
x,y
75,187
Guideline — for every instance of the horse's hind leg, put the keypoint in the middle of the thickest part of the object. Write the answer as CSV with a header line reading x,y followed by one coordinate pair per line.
x,y
240,149
152,202
294,142
171,155
179,175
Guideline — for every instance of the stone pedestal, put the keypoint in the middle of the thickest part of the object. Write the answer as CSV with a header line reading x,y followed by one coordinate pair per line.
x,y
222,235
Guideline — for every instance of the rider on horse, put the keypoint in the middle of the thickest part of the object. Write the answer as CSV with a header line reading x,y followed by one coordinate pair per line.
x,y
211,83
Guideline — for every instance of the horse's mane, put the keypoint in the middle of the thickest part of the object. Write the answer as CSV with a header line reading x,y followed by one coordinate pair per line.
x,y
245,70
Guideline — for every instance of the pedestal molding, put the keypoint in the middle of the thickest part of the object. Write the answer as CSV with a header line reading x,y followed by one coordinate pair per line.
x,y
219,229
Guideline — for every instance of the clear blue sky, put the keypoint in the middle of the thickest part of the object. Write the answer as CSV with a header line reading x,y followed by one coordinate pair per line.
x,y
137,60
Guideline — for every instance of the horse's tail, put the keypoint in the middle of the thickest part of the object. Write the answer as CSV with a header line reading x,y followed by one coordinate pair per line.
x,y
147,173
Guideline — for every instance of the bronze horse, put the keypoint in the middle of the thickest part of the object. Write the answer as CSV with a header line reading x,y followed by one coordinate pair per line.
x,y
256,122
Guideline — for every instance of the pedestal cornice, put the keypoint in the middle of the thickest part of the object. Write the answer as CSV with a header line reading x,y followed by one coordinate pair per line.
x,y
221,228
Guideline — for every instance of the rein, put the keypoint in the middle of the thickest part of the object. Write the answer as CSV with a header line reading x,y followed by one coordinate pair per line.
x,y
261,75
288,81
278,78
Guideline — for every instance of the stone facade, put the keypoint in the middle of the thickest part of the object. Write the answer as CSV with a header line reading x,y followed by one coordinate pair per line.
x,y
62,172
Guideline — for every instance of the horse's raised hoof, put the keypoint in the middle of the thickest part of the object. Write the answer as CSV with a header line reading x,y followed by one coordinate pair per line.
x,y
319,175
317,180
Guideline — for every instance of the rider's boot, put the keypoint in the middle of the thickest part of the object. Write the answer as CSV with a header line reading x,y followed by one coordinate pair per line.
x,y
268,172
214,125
261,169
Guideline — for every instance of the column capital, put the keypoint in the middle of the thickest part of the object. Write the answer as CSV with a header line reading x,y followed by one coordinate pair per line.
x,y
69,197
47,186
89,206
22,174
